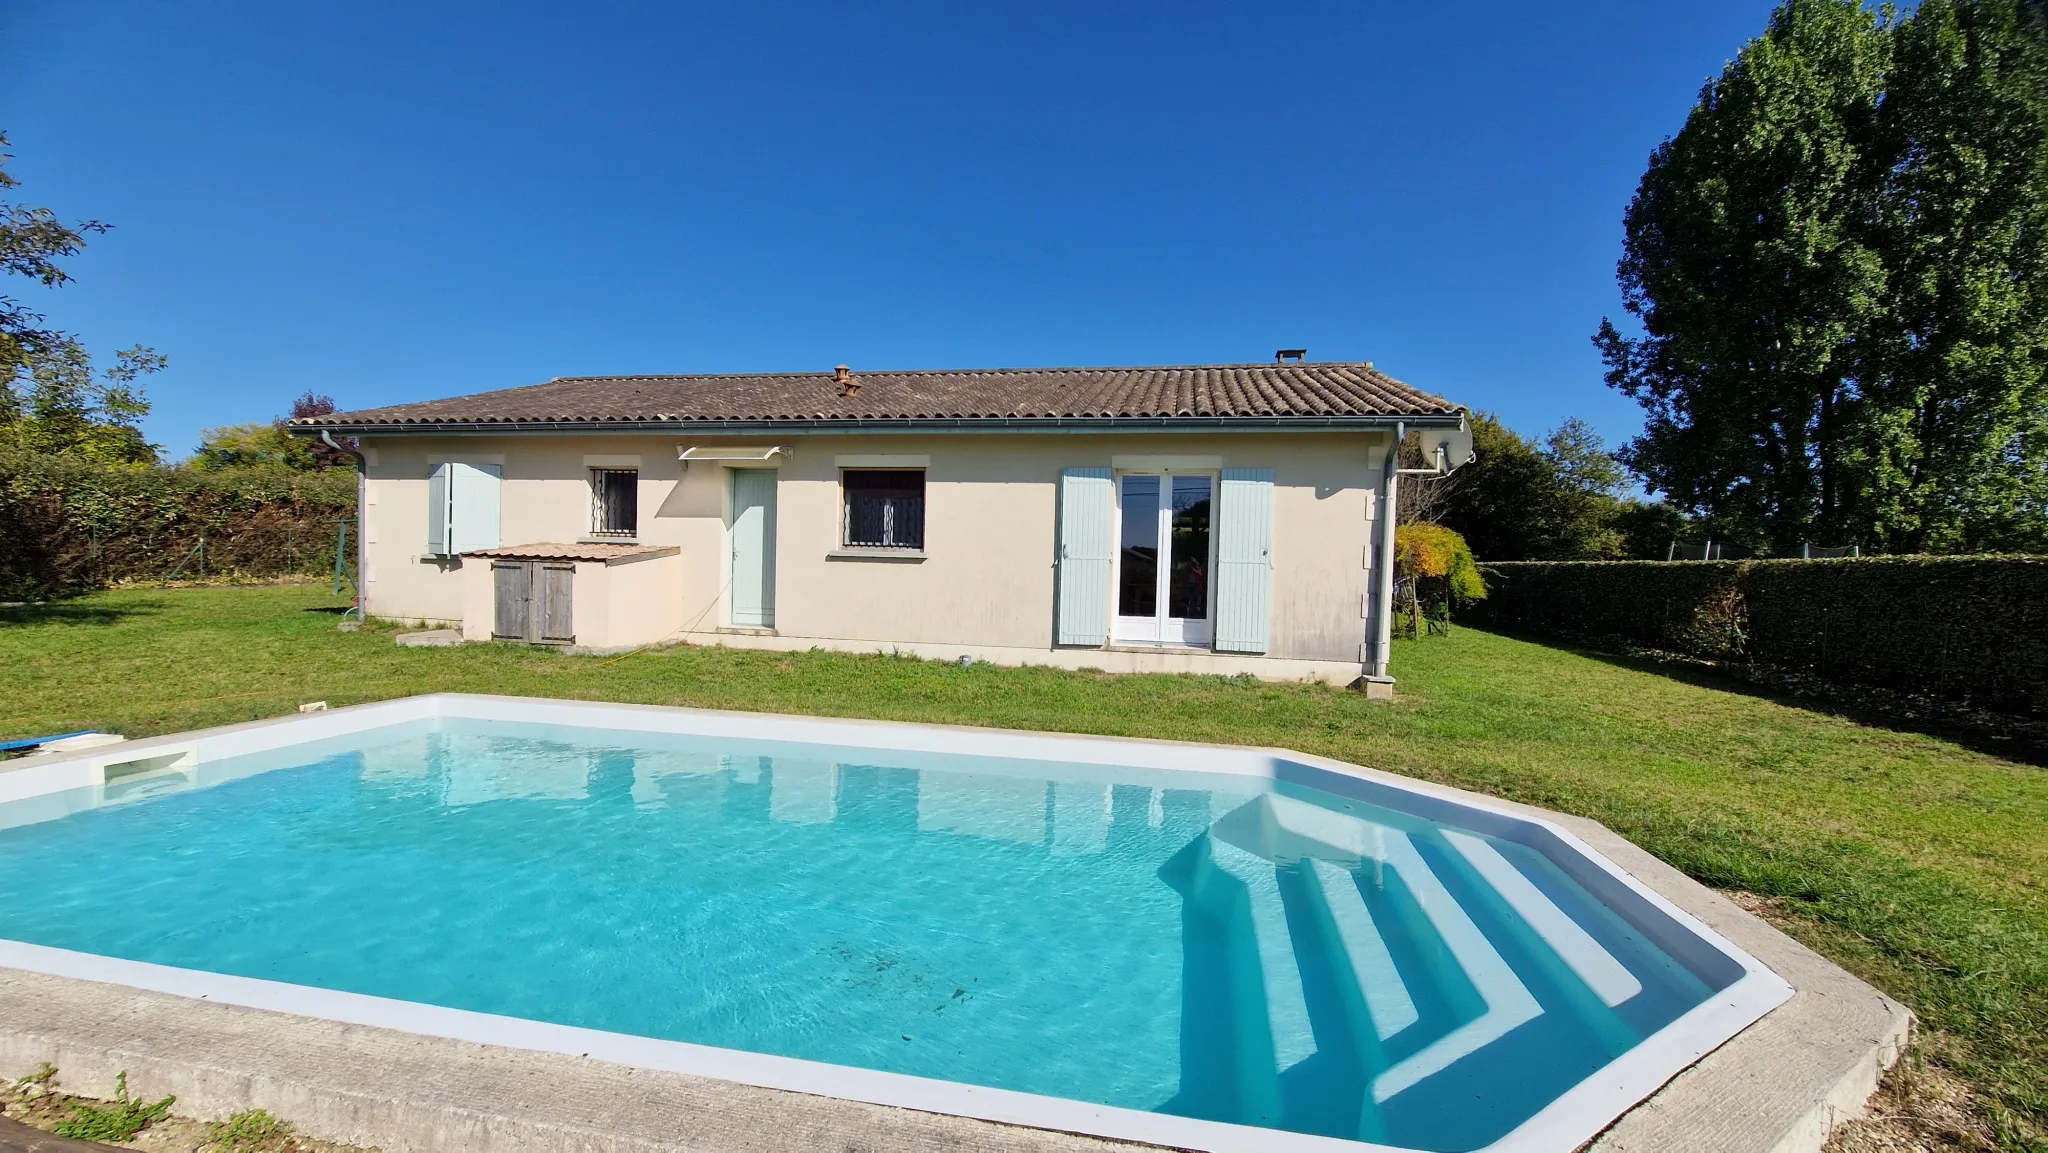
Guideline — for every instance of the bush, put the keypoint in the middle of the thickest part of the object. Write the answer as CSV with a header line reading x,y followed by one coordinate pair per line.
x,y
68,525
1970,630
1438,571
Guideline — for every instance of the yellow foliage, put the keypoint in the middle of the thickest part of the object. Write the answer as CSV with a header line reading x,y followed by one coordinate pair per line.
x,y
1431,552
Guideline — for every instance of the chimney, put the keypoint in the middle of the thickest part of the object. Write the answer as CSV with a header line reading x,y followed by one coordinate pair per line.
x,y
847,385
1286,354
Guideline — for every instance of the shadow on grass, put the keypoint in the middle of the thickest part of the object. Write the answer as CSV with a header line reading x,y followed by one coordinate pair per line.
x,y
2009,738
63,613
331,610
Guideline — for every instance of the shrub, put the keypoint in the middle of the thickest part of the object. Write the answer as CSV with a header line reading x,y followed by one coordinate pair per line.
x,y
1972,630
1439,571
68,524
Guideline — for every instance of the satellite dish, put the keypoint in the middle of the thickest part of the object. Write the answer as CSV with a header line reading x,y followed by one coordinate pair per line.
x,y
1447,449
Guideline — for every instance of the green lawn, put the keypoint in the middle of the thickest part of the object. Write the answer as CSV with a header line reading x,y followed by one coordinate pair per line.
x,y
1909,859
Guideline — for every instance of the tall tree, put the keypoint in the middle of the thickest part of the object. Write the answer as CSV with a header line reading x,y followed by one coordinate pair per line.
x,y
51,399
1749,264
32,241
1576,517
1495,501
70,409
1560,499
1951,444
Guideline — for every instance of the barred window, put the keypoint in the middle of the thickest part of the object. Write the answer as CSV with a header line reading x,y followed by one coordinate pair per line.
x,y
614,501
884,508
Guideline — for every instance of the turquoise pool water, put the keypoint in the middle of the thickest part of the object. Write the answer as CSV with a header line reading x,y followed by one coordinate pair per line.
x,y
1256,955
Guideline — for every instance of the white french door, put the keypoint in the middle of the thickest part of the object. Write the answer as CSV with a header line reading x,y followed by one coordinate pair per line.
x,y
1164,558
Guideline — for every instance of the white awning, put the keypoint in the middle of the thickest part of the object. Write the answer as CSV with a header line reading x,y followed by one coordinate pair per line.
x,y
756,453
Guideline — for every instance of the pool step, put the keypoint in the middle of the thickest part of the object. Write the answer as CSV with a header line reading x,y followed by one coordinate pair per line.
x,y
1279,975
1507,1002
1573,945
1383,1007
1484,995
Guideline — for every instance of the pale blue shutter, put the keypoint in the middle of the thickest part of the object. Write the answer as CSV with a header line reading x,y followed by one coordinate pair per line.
x,y
1244,560
437,510
1087,501
473,506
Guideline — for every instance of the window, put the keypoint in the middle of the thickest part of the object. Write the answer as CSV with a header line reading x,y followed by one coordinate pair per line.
x,y
614,501
884,508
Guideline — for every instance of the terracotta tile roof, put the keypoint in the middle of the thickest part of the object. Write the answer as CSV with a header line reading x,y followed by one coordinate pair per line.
x,y
1254,393
569,552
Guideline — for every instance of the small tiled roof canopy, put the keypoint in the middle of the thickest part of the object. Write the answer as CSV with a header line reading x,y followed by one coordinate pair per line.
x,y
1222,394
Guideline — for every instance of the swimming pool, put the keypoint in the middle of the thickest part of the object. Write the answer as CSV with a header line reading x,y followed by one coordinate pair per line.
x,y
1198,946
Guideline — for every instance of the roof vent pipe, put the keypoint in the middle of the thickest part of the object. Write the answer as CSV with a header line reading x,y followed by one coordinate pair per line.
x,y
847,385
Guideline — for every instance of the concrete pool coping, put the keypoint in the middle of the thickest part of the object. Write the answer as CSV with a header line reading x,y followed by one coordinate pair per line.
x,y
1779,1084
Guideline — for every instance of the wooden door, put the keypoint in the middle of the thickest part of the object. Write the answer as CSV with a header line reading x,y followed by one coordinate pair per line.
x,y
555,600
512,583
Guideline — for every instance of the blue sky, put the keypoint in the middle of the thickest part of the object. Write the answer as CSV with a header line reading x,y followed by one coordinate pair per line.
x,y
388,202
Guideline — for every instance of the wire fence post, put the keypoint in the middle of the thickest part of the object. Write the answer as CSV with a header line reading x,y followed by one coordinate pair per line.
x,y
343,574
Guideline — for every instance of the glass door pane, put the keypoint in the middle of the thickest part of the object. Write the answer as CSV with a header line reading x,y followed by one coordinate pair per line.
x,y
1137,592
1187,590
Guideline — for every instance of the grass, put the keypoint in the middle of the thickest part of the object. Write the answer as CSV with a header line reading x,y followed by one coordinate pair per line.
x,y
1910,860
250,1131
119,1120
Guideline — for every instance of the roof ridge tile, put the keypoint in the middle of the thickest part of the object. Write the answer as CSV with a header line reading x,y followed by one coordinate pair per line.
x,y
1215,391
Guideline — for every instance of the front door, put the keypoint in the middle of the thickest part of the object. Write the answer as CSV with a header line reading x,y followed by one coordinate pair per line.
x,y
753,548
1163,558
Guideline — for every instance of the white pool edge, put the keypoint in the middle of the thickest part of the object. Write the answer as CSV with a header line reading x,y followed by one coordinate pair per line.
x,y
1569,1121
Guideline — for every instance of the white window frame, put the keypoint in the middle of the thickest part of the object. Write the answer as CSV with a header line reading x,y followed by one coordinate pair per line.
x,y
1161,631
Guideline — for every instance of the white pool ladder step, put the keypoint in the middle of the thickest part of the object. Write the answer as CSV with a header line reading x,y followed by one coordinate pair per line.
x,y
1286,1005
1585,956
1508,1002
1382,992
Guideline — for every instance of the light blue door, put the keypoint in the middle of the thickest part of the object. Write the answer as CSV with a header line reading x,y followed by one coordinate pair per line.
x,y
753,548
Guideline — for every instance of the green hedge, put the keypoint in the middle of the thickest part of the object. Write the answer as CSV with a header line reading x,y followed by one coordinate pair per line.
x,y
67,525
1972,630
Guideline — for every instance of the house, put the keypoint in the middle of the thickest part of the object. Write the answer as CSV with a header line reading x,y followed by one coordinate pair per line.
x,y
1219,518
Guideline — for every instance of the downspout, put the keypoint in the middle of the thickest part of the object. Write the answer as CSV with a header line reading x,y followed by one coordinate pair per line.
x,y
362,521
1377,682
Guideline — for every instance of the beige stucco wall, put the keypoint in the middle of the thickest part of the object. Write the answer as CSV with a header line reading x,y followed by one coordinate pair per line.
x,y
990,523
623,604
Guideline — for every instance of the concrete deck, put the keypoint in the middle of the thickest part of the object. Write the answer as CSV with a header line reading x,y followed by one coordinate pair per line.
x,y
1778,1087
